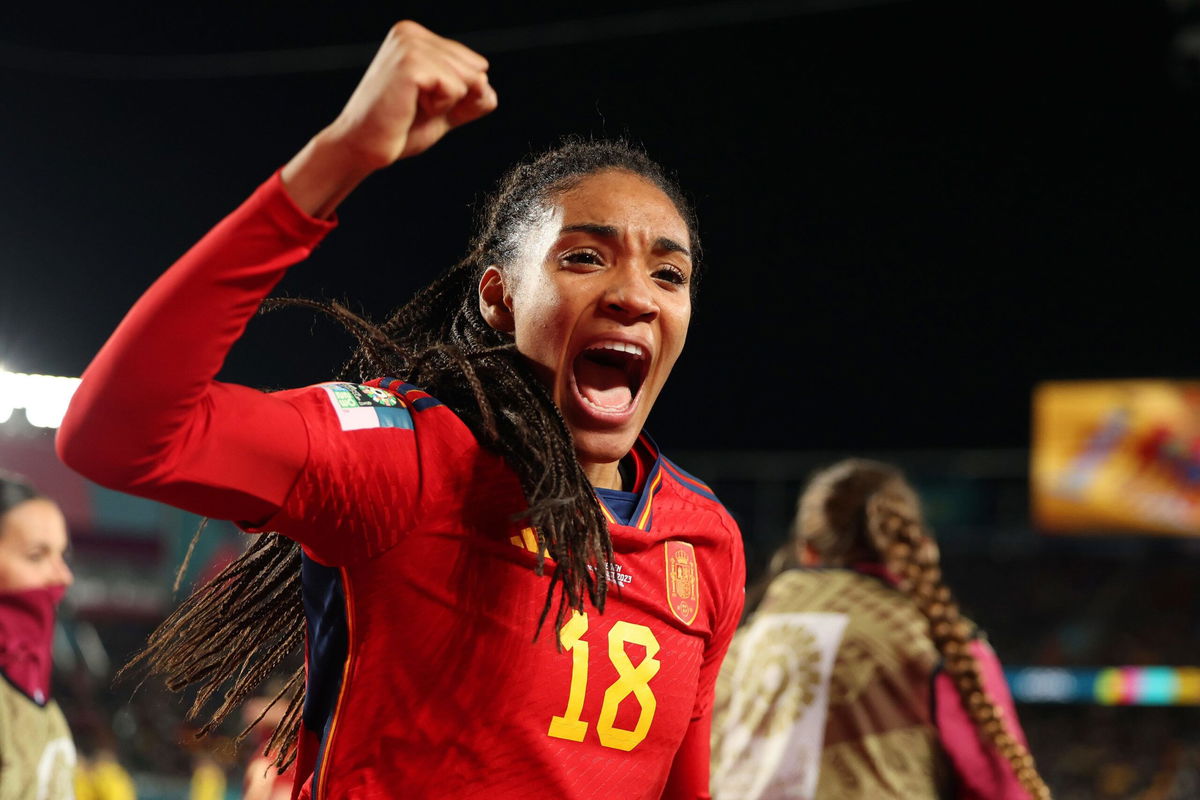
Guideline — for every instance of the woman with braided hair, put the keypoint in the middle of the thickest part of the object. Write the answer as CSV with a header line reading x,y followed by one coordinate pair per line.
x,y
422,540
856,676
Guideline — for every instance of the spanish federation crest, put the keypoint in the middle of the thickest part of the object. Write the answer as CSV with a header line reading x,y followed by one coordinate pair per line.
x,y
683,581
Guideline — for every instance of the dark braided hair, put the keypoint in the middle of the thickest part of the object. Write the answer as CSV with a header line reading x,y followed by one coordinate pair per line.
x,y
231,633
859,510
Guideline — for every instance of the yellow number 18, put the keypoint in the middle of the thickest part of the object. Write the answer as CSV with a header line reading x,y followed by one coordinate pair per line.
x,y
630,680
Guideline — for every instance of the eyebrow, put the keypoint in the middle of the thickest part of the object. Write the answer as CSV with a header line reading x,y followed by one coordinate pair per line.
x,y
610,232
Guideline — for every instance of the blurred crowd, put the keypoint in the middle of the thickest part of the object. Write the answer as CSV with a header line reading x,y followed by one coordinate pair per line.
x,y
1098,752
1077,610
1087,611
134,741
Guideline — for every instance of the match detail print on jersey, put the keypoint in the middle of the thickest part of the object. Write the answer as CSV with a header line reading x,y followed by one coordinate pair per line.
x,y
683,581
361,407
631,679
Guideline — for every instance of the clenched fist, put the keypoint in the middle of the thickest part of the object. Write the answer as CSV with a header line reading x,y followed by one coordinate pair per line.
x,y
418,87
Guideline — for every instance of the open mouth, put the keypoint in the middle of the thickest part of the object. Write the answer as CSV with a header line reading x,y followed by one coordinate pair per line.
x,y
609,375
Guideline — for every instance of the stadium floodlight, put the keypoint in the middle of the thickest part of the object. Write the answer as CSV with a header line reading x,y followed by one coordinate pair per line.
x,y
6,397
44,397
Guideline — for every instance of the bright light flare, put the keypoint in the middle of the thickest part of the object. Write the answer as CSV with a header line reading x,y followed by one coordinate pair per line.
x,y
44,397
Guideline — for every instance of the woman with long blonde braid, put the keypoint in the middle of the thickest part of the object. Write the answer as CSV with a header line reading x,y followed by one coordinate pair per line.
x,y
855,675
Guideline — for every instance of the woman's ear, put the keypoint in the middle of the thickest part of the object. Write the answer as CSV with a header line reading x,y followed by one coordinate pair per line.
x,y
495,303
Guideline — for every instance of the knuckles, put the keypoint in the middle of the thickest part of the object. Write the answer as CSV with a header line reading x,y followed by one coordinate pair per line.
x,y
414,55
407,29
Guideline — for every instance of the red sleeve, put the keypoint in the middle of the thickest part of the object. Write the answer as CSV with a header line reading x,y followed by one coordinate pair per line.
x,y
689,777
150,419
981,772
378,458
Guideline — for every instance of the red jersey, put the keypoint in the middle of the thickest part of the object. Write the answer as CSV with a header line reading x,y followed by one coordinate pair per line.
x,y
424,679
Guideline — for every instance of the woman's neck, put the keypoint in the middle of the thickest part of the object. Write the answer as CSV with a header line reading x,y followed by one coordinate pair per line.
x,y
603,475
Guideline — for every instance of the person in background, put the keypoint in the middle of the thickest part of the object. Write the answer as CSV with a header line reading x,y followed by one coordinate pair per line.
x,y
261,781
37,754
856,675
208,778
101,777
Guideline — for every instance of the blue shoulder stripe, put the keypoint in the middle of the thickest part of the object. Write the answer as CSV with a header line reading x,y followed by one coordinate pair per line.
x,y
418,399
689,481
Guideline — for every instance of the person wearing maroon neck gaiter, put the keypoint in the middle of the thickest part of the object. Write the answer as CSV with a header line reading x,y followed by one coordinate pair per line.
x,y
37,755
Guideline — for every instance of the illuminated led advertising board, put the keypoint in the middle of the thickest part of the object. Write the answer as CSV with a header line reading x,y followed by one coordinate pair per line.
x,y
1111,456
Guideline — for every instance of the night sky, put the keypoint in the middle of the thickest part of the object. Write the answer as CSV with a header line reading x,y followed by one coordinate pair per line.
x,y
912,212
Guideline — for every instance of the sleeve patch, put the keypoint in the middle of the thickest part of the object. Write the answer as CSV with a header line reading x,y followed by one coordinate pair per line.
x,y
360,407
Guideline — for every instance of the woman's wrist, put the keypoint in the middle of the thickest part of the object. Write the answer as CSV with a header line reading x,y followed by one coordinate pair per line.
x,y
323,174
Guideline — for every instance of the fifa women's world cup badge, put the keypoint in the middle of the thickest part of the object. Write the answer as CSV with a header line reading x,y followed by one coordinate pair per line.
x,y
683,581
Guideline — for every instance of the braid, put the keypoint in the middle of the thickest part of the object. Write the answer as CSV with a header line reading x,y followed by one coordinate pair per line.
x,y
910,553
860,510
236,629
233,632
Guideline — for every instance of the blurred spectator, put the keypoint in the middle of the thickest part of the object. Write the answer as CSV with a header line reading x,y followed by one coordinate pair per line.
x,y
101,777
263,781
208,778
860,678
36,748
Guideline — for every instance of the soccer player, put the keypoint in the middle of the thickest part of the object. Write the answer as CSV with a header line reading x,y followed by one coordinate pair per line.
x,y
856,676
37,755
506,588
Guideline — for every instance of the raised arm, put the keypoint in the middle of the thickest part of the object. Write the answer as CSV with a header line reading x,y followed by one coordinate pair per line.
x,y
418,87
149,418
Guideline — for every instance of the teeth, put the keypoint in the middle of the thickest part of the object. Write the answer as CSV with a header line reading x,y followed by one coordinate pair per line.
x,y
621,347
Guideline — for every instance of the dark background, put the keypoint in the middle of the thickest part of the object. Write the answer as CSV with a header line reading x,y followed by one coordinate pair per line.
x,y
912,211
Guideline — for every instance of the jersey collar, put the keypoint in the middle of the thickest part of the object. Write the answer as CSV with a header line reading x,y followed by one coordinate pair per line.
x,y
649,472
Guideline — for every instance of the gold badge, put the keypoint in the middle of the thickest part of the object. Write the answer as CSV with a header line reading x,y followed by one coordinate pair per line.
x,y
683,581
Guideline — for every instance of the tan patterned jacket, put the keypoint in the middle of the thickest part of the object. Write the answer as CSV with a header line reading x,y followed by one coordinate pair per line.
x,y
37,755
825,694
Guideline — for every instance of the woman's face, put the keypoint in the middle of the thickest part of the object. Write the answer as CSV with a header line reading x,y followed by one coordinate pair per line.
x,y
599,301
33,544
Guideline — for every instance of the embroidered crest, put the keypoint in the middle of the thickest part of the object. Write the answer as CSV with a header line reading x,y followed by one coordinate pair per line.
x,y
683,581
